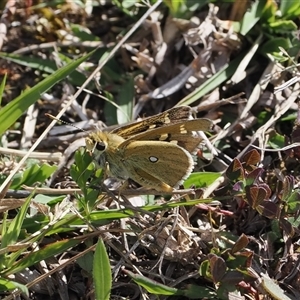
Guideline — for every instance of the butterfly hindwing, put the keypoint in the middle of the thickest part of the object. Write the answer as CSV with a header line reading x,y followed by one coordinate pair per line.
x,y
167,159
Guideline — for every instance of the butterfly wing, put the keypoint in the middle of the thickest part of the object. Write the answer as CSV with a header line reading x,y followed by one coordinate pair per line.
x,y
181,133
173,115
157,165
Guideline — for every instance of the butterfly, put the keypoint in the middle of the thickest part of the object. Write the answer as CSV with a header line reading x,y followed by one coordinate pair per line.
x,y
154,152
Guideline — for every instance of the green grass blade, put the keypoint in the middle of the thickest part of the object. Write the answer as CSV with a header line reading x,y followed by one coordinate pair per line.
x,y
12,111
11,235
224,74
48,251
44,65
2,86
152,286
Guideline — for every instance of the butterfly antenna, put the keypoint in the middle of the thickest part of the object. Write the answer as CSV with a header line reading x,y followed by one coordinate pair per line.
x,y
63,122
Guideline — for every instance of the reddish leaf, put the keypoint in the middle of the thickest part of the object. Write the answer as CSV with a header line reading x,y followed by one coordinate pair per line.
x,y
240,244
268,209
267,189
235,170
287,227
288,185
251,158
238,187
235,277
295,138
296,134
255,195
217,267
254,175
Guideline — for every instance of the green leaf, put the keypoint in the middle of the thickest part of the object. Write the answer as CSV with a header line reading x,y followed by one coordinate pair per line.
x,y
45,65
86,262
199,292
88,176
277,141
201,179
8,285
110,111
224,74
83,168
50,250
10,237
290,9
32,175
152,286
273,46
2,87
184,9
81,32
125,101
49,200
282,26
273,288
251,17
174,6
102,272
293,202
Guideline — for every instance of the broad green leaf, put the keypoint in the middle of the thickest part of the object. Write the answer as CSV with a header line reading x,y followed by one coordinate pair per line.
x,y
32,175
277,141
273,288
282,26
86,262
81,32
290,9
50,200
251,17
8,285
102,272
201,179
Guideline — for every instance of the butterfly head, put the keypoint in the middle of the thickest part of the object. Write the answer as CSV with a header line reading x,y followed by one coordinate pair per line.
x,y
103,146
96,142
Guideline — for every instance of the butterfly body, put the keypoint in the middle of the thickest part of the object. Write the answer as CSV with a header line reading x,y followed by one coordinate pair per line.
x,y
108,151
154,152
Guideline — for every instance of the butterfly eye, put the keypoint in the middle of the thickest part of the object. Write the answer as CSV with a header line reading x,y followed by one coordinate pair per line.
x,y
100,146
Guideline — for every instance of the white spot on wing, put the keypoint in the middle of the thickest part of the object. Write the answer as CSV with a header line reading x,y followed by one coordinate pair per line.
x,y
163,137
153,159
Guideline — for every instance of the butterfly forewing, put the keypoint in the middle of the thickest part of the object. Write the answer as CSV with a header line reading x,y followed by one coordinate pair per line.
x,y
173,115
181,133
